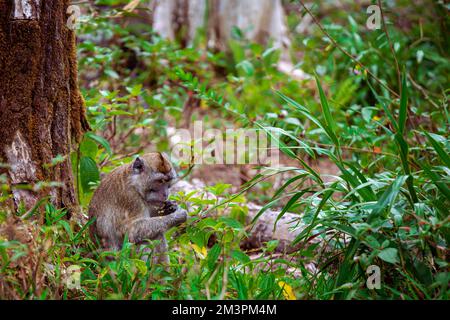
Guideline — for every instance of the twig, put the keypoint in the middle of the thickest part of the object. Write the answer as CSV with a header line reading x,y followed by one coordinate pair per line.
x,y
422,91
191,165
130,154
224,280
188,172
208,283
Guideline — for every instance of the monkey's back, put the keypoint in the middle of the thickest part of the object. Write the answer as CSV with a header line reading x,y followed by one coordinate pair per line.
x,y
112,204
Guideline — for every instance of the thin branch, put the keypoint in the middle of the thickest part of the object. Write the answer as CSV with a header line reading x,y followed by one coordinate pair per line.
x,y
422,91
224,280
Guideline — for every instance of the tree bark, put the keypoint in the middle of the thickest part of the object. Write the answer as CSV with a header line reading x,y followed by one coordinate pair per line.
x,y
42,111
259,20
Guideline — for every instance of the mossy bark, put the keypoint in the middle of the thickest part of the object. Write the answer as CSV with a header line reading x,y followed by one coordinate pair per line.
x,y
42,113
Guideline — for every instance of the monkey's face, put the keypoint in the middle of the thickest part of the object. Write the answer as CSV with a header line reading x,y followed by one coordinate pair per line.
x,y
152,176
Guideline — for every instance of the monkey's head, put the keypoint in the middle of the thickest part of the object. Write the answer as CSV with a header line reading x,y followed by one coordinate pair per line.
x,y
152,175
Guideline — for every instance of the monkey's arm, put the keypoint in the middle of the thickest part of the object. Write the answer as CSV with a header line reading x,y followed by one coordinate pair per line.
x,y
140,229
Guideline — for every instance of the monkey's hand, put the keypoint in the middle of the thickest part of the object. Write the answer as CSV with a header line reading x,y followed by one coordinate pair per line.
x,y
179,216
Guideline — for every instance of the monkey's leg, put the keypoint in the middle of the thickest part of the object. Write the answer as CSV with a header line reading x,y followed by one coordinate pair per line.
x,y
158,252
160,255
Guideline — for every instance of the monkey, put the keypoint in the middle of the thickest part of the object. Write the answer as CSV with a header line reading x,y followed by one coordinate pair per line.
x,y
132,200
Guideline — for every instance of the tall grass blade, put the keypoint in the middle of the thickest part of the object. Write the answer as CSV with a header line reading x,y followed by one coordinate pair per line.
x,y
443,155
403,113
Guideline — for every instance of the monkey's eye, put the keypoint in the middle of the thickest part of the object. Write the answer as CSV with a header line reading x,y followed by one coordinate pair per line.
x,y
161,181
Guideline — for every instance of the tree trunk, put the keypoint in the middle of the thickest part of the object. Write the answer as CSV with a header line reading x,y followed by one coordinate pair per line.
x,y
42,111
259,20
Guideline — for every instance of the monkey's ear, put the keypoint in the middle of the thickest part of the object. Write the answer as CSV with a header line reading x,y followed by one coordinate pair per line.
x,y
138,165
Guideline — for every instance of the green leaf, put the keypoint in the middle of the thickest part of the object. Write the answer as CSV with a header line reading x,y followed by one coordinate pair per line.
x,y
89,148
88,173
141,266
404,150
327,113
213,255
120,113
112,74
443,155
346,229
437,180
288,183
285,149
327,193
365,192
66,227
388,196
247,67
232,223
269,52
389,255
102,141
403,114
219,188
369,195
272,245
383,104
240,256
288,205
240,285
347,268
301,109
280,132
83,229
135,90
